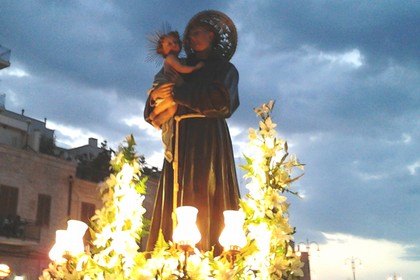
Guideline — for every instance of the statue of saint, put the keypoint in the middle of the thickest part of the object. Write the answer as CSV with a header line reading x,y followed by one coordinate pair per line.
x,y
198,104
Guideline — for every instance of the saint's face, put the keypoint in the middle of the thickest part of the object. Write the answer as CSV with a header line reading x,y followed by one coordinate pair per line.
x,y
200,39
170,45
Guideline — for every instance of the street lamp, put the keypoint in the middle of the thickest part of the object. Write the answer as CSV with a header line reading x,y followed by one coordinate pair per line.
x,y
394,277
305,257
308,245
354,262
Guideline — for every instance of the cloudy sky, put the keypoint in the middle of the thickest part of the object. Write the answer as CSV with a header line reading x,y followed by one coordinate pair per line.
x,y
345,76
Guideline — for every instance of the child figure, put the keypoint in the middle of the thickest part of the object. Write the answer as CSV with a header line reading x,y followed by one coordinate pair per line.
x,y
169,46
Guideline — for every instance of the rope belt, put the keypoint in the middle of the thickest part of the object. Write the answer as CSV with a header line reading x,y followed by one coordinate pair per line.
x,y
178,119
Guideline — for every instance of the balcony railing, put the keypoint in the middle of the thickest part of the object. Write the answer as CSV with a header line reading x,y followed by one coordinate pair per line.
x,y
19,230
4,57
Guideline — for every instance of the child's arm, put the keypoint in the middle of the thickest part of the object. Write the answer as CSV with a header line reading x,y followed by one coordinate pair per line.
x,y
174,62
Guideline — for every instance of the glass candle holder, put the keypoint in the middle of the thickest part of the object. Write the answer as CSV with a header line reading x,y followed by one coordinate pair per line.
x,y
233,236
75,232
60,247
186,232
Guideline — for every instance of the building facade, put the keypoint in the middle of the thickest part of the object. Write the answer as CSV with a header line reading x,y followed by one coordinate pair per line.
x,y
40,192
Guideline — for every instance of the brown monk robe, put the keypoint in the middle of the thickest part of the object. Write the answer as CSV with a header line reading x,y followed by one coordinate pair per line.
x,y
206,172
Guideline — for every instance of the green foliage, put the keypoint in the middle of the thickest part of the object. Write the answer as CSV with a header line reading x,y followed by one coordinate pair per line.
x,y
269,166
47,145
118,226
96,169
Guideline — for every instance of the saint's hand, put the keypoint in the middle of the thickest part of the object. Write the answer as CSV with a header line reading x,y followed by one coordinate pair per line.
x,y
164,116
162,92
164,111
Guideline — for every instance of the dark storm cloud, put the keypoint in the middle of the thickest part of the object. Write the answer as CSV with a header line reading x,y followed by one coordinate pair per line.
x,y
357,178
97,45
73,40
358,170
381,29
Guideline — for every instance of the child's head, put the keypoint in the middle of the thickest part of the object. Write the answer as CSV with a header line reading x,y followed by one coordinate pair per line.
x,y
169,43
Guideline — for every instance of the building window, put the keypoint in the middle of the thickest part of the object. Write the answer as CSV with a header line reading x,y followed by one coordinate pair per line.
x,y
44,209
88,210
8,201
